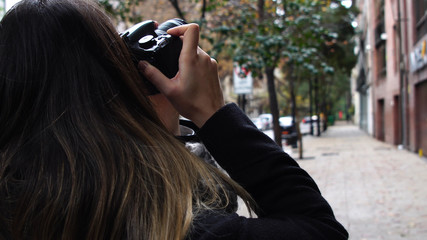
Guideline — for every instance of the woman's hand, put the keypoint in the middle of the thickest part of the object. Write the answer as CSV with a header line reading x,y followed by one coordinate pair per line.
x,y
195,91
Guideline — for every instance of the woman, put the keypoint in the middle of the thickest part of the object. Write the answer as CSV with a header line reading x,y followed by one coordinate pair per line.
x,y
82,152
84,156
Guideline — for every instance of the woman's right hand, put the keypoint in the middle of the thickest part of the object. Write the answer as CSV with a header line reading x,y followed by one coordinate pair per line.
x,y
195,91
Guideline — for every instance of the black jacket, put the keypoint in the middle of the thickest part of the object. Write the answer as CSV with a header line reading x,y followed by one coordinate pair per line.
x,y
290,201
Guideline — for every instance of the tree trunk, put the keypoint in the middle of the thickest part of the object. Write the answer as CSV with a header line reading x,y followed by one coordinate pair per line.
x,y
301,150
316,104
310,90
274,107
269,72
292,78
202,15
178,10
292,92
241,101
260,6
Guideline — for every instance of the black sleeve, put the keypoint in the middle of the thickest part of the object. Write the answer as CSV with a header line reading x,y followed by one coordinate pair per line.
x,y
289,199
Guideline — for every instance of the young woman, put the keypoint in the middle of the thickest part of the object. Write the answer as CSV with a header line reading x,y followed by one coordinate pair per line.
x,y
84,156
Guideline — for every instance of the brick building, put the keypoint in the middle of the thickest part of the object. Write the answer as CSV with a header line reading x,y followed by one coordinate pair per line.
x,y
417,76
390,80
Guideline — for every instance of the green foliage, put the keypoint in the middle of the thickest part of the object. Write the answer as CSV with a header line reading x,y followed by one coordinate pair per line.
x,y
266,41
306,39
2,12
311,41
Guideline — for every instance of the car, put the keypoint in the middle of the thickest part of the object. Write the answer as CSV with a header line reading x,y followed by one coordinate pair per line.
x,y
266,120
258,123
289,131
304,125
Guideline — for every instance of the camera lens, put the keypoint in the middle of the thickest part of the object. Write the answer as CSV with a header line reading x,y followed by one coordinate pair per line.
x,y
169,24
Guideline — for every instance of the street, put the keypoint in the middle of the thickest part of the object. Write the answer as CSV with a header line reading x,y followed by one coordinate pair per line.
x,y
376,191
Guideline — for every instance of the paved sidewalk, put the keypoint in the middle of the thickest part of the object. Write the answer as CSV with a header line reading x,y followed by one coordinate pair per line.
x,y
376,191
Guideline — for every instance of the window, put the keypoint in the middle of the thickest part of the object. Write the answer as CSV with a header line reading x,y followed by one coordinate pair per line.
x,y
379,9
381,60
380,43
420,9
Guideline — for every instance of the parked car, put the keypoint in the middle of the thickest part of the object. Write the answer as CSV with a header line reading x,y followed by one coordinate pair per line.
x,y
289,131
304,125
258,123
266,121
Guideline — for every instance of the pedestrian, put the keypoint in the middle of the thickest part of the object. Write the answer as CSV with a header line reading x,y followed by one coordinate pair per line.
x,y
83,154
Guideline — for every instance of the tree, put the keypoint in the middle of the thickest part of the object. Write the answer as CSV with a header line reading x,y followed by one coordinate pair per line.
x,y
253,36
262,37
308,40
340,53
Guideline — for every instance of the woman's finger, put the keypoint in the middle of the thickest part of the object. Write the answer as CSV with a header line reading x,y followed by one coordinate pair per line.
x,y
190,33
156,77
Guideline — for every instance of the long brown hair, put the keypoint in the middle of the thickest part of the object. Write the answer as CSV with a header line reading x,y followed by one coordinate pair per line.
x,y
82,153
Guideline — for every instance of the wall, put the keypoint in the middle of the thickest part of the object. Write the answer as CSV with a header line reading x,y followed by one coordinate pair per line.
x,y
417,85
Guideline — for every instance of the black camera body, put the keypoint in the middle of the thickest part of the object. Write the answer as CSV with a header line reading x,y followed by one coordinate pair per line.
x,y
155,46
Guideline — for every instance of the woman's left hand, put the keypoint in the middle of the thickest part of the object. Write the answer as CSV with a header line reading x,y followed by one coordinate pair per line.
x,y
195,91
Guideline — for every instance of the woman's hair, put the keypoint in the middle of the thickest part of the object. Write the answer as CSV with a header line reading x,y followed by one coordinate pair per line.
x,y
82,153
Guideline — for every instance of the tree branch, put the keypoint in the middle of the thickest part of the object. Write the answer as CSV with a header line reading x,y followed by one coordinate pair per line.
x,y
175,4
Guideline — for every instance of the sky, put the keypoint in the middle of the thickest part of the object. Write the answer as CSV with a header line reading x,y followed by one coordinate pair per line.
x,y
346,3
10,3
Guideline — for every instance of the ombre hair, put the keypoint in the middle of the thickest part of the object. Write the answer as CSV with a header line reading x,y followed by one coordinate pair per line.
x,y
82,153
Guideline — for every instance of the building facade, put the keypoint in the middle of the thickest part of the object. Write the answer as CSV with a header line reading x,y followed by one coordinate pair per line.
x,y
416,13
391,75
362,73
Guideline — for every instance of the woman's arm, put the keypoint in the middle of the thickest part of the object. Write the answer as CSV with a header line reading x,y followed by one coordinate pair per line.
x,y
292,206
288,197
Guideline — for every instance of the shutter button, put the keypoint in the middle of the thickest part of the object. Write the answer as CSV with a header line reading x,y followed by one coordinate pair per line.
x,y
146,42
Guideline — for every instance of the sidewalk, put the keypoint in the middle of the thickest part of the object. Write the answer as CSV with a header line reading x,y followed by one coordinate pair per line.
x,y
376,191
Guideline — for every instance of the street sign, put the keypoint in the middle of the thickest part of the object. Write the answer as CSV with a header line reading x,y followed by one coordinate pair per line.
x,y
243,81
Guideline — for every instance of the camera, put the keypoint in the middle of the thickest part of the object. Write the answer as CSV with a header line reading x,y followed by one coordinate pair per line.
x,y
155,46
